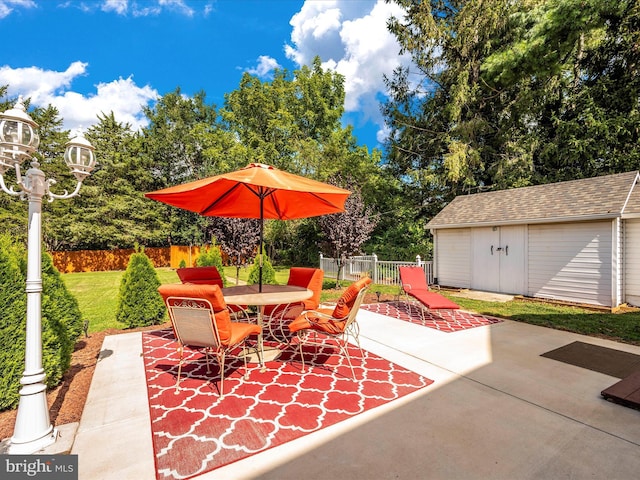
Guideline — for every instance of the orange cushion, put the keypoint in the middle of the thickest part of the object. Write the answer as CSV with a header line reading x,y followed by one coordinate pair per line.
x,y
345,302
200,275
433,300
306,277
240,331
310,278
309,320
212,294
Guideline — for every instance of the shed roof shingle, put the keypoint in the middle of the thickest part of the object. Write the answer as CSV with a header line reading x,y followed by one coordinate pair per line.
x,y
603,196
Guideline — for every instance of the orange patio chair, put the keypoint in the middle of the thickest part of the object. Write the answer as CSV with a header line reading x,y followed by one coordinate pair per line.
x,y
277,315
200,275
339,323
209,275
414,284
201,320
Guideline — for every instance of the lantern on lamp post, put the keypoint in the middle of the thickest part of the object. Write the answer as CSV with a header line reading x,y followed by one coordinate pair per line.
x,y
19,140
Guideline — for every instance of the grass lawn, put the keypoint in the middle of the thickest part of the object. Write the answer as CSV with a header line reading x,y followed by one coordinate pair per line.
x,y
623,327
97,295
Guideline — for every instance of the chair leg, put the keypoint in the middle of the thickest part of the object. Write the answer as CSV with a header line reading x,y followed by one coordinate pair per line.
x,y
302,336
244,357
206,356
344,348
221,362
181,350
354,331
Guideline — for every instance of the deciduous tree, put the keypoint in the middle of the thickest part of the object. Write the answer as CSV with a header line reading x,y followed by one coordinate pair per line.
x,y
238,238
345,233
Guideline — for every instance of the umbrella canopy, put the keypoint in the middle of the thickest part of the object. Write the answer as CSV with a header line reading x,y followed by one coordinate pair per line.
x,y
256,191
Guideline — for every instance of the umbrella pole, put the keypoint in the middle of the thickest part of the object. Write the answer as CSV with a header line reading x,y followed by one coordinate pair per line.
x,y
261,240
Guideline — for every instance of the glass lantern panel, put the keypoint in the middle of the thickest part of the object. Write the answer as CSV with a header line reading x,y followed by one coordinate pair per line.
x,y
10,131
27,134
86,157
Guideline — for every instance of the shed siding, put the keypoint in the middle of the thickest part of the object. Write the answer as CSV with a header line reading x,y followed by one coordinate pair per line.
x,y
632,261
453,260
571,262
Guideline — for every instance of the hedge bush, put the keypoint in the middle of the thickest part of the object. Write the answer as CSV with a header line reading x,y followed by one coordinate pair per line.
x,y
61,321
139,303
211,257
268,272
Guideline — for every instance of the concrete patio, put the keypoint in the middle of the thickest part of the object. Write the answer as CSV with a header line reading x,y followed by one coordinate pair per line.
x,y
496,410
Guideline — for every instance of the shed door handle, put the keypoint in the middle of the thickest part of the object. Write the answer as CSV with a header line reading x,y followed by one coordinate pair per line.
x,y
491,249
506,250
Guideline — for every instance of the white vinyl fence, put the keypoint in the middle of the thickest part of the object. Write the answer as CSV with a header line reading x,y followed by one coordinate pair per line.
x,y
382,272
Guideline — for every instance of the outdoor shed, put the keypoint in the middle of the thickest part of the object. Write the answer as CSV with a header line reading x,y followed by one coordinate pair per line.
x,y
576,241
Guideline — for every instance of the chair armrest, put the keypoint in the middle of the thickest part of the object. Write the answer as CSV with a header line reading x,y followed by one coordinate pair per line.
x,y
320,315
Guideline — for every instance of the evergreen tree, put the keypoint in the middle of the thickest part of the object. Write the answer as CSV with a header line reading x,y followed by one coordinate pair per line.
x,y
268,272
13,305
61,321
210,256
139,303
504,94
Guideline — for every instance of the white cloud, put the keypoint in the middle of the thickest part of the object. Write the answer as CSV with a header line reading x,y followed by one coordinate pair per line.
x,y
145,8
122,97
177,5
40,84
265,66
351,37
7,6
118,6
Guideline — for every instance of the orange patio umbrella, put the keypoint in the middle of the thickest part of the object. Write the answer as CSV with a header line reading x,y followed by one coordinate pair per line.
x,y
256,191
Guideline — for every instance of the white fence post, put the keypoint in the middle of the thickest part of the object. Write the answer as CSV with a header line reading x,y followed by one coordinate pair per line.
x,y
374,268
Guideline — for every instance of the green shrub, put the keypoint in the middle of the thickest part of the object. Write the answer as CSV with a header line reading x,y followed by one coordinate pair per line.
x,y
183,263
139,303
268,272
61,321
13,305
211,257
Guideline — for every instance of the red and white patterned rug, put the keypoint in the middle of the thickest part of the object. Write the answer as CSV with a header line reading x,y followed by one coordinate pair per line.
x,y
195,431
443,320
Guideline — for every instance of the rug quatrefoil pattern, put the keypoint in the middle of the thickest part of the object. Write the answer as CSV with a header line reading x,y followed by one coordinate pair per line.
x,y
443,320
195,431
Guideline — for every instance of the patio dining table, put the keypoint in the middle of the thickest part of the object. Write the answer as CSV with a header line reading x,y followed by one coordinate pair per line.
x,y
270,295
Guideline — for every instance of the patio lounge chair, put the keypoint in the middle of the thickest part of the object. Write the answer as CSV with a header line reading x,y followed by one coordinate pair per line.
x,y
414,284
277,315
314,326
200,319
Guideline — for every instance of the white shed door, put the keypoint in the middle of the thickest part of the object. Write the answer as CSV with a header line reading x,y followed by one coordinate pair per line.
x,y
632,262
571,261
453,253
499,259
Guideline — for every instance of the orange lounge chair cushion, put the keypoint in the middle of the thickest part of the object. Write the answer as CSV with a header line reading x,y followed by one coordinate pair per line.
x,y
433,300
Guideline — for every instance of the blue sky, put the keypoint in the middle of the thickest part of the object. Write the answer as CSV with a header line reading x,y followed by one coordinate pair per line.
x,y
92,56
